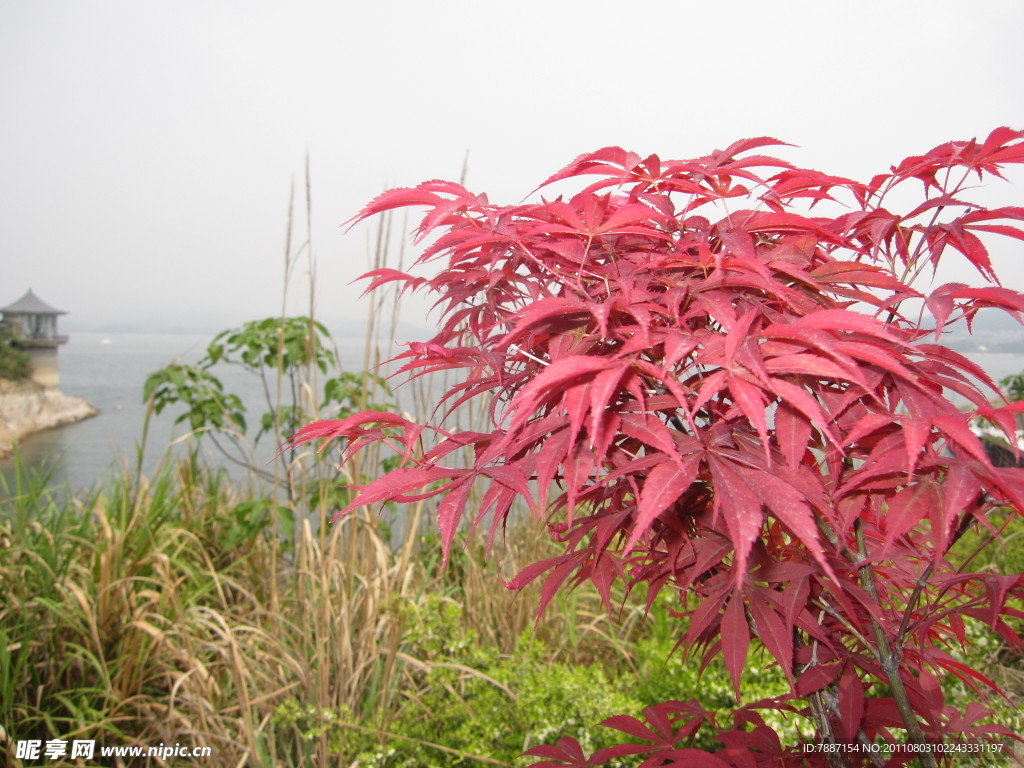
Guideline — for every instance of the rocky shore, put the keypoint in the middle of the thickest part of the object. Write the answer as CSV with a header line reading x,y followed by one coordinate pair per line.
x,y
27,407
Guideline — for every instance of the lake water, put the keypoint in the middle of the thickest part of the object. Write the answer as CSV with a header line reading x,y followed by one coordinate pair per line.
x,y
109,371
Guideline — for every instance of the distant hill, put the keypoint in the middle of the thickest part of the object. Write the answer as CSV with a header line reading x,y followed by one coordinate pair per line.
x,y
340,327
994,331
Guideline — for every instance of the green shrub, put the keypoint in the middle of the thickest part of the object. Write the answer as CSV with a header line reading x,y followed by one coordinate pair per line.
x,y
471,703
13,361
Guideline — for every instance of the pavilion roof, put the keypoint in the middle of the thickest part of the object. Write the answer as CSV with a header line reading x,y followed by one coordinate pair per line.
x,y
30,304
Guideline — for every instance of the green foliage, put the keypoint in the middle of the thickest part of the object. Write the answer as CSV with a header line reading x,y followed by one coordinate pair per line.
x,y
1013,387
277,343
13,361
310,723
291,348
996,549
207,406
471,700
253,517
293,359
286,347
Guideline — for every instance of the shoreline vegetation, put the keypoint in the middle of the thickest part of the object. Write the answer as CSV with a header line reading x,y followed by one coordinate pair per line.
x,y
179,606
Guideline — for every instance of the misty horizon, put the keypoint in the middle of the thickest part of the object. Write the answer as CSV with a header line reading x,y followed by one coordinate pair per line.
x,y
150,152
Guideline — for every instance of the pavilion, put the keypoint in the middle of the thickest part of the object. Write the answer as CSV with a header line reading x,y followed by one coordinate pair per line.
x,y
34,324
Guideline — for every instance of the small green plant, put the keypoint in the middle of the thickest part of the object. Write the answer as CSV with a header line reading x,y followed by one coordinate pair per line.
x,y
298,372
14,362
285,353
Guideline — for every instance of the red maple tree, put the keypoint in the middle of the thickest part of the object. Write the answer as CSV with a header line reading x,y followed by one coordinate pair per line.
x,y
716,377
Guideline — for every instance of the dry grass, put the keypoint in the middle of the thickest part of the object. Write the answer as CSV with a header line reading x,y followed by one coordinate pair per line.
x,y
125,619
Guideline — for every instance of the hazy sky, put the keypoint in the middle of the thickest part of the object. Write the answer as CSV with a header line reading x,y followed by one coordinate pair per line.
x,y
147,148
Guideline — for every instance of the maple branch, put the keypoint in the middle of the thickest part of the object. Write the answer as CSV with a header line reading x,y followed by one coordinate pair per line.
x,y
521,351
559,278
823,604
868,746
922,580
889,658
935,217
819,709
912,603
